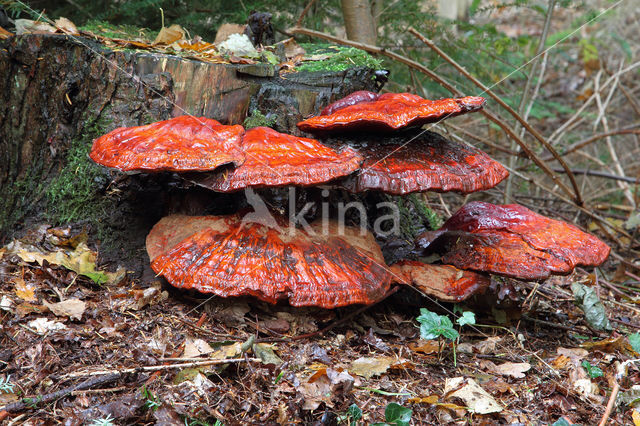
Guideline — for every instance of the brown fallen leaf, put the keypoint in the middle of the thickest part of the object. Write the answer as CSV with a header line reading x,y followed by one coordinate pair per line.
x,y
369,367
4,34
619,343
560,362
425,347
476,399
27,26
487,346
169,35
194,348
511,369
72,308
24,290
66,26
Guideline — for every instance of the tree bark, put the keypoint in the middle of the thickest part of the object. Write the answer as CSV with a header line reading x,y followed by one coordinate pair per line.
x,y
60,92
358,21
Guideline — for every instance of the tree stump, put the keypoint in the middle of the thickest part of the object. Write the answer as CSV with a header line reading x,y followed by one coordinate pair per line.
x,y
60,92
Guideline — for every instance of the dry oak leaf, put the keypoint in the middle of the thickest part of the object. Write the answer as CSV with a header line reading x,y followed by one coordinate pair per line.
x,y
72,308
476,399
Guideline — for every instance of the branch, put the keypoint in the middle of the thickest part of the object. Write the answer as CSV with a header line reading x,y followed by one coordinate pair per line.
x,y
413,64
576,191
581,144
601,174
304,12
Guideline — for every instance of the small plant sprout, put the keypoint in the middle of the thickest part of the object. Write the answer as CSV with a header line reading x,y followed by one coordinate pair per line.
x,y
5,384
106,421
434,326
151,402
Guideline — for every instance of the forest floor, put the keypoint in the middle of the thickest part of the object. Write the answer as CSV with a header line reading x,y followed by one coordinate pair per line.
x,y
140,352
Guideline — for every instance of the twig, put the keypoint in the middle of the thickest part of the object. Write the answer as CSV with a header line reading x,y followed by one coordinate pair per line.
x,y
162,367
599,174
581,144
304,12
522,108
481,139
576,191
413,64
43,399
610,404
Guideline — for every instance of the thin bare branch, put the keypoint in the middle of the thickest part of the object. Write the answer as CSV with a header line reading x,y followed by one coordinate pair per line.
x,y
576,191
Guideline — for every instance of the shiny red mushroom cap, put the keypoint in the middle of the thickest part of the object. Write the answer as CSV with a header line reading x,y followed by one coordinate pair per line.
x,y
277,159
424,161
183,143
391,111
354,98
444,282
512,240
227,257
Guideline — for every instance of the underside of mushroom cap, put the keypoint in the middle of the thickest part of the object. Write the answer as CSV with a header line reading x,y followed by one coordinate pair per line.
x,y
444,282
514,241
183,143
228,257
278,159
421,161
391,111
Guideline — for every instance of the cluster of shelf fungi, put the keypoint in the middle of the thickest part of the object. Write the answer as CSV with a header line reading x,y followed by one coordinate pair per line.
x,y
366,142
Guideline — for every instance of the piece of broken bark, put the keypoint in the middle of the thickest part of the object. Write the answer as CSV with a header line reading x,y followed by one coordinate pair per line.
x,y
391,111
278,159
512,240
228,257
183,143
423,161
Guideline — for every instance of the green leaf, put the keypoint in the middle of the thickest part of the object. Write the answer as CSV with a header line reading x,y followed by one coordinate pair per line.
x,y
354,412
594,312
397,414
593,371
634,341
561,422
467,317
433,326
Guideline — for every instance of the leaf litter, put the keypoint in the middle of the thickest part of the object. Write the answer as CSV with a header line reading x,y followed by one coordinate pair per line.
x,y
151,353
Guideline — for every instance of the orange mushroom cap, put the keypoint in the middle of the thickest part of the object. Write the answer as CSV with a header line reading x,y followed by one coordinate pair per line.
x,y
183,143
424,161
227,257
514,241
277,159
391,111
352,99
444,282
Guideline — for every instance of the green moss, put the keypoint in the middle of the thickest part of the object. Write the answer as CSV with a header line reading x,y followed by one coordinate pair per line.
x,y
339,58
127,32
423,210
258,119
73,195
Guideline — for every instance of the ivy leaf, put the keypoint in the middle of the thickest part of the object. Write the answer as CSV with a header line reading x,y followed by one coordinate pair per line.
x,y
594,312
354,412
634,341
396,414
433,325
593,371
467,317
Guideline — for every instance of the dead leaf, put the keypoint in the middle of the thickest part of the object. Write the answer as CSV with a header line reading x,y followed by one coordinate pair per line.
x,y
369,367
425,347
560,362
266,354
44,325
6,304
511,369
25,291
66,26
81,260
635,416
72,308
169,35
27,26
194,348
619,343
315,393
477,399
227,351
431,399
4,34
487,346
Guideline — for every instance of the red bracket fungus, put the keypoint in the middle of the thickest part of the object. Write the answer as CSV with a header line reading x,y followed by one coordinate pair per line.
x,y
512,240
444,282
390,111
428,162
228,257
183,143
277,159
